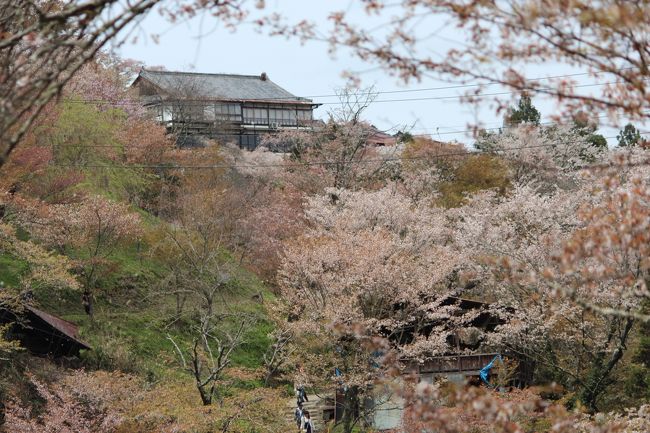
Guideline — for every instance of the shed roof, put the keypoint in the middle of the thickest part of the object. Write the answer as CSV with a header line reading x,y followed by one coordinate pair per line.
x,y
42,333
228,87
66,328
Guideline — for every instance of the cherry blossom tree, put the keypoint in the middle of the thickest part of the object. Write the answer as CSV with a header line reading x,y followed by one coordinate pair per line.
x,y
43,46
544,156
555,255
347,281
103,82
89,229
434,408
373,261
200,277
274,217
46,269
378,259
68,408
338,153
611,248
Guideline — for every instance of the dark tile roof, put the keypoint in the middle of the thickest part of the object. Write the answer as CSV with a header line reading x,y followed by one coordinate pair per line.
x,y
219,86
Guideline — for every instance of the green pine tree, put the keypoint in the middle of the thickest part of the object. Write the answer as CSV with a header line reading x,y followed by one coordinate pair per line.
x,y
629,136
584,128
525,112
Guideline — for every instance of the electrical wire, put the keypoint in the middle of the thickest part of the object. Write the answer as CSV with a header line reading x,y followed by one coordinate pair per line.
x,y
425,134
101,102
433,131
455,86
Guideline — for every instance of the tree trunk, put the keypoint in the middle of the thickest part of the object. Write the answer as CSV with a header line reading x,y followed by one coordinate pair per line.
x,y
350,409
206,396
180,303
599,378
87,301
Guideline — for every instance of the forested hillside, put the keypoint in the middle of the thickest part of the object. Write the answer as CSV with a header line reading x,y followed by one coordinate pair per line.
x,y
102,226
209,280
153,279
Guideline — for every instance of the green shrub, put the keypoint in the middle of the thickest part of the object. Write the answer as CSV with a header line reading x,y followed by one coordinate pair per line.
x,y
113,354
637,381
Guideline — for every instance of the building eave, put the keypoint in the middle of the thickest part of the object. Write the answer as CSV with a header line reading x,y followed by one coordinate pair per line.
x,y
158,99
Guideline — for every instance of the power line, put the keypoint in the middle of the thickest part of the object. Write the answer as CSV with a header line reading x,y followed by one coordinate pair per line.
x,y
377,101
496,128
423,134
459,86
456,86
480,95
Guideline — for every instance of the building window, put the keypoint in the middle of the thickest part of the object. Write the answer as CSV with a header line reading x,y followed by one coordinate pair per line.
x,y
187,112
227,112
303,114
165,113
255,116
282,116
248,141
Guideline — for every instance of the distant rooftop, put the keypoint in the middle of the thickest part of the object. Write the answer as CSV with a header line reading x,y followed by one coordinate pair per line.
x,y
219,86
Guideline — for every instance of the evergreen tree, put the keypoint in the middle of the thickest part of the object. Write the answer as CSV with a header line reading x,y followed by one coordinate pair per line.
x,y
486,140
525,112
588,129
597,140
629,136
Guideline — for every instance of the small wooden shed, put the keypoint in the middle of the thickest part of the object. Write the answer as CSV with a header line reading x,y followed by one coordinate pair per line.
x,y
41,333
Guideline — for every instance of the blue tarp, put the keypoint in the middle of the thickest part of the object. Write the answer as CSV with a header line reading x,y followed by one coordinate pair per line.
x,y
337,373
485,371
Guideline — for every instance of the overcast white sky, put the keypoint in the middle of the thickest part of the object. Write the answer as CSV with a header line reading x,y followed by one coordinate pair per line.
x,y
202,45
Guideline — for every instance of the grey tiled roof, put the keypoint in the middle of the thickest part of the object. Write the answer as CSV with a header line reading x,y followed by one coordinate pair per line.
x,y
219,86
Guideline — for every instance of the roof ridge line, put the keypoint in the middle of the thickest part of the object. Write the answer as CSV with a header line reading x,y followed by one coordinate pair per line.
x,y
204,73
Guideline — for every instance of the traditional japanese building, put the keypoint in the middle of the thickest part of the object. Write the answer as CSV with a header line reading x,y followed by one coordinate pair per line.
x,y
232,108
